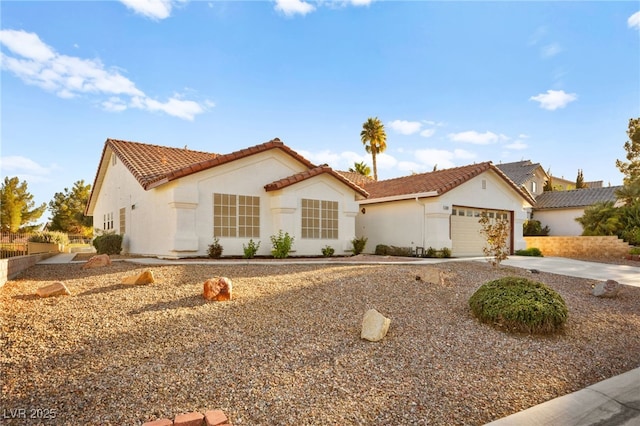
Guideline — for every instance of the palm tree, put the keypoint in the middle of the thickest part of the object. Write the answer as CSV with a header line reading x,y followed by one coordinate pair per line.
x,y
374,139
361,168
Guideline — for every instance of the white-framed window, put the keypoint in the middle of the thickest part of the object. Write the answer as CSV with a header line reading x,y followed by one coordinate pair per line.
x,y
319,219
236,216
534,187
107,221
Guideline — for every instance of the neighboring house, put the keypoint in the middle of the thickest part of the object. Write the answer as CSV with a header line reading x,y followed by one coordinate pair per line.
x,y
442,209
528,175
562,184
173,202
559,209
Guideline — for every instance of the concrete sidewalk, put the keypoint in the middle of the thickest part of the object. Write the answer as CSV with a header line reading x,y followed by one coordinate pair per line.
x,y
612,402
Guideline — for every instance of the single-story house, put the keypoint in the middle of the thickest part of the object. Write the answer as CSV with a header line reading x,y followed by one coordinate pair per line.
x,y
442,209
559,209
172,202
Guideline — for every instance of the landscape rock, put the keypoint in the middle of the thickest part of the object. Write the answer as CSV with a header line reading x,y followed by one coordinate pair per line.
x,y
609,288
374,326
98,261
55,289
145,277
217,288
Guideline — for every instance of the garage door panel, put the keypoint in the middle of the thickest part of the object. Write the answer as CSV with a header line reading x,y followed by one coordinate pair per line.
x,y
466,238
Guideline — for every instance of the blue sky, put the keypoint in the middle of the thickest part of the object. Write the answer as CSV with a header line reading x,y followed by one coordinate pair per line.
x,y
453,82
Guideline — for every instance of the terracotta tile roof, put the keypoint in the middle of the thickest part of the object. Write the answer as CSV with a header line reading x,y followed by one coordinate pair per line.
x,y
440,182
357,178
519,171
575,198
299,177
150,163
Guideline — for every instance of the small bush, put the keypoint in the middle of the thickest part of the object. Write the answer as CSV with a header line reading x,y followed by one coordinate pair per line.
x,y
521,305
55,237
108,244
635,251
384,250
445,252
328,251
431,252
531,251
250,249
215,249
533,228
358,245
281,244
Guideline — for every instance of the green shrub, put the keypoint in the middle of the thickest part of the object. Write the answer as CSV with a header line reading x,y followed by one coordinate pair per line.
x,y
328,251
281,244
215,250
431,252
531,251
358,245
55,237
521,305
635,251
108,244
384,250
445,252
533,228
250,249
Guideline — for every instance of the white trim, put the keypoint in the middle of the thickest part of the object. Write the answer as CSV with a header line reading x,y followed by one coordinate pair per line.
x,y
399,197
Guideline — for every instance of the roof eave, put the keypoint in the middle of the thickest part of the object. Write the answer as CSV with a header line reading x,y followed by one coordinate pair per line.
x,y
401,197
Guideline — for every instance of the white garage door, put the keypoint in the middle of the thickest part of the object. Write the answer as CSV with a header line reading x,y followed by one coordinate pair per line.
x,y
466,239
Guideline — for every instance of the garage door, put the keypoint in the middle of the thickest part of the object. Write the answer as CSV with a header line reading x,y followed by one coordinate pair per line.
x,y
466,239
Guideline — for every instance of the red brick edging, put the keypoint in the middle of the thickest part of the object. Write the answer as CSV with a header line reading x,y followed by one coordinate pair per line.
x,y
210,418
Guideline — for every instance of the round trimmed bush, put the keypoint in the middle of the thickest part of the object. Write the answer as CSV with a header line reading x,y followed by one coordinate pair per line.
x,y
521,305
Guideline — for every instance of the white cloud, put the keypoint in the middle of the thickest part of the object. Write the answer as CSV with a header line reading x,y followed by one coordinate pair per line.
x,y
444,159
550,50
517,145
405,127
293,7
37,64
154,9
26,169
427,133
554,99
634,21
360,2
476,138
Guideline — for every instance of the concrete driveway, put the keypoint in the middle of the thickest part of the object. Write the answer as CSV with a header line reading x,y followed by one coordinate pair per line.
x,y
624,274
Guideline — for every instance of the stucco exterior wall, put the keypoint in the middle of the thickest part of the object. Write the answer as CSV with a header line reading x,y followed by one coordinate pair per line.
x,y
426,222
176,219
560,221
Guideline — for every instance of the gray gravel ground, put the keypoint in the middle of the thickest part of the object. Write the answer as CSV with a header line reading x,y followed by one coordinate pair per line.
x,y
287,349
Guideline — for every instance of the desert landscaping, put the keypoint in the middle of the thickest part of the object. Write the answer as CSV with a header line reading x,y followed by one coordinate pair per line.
x,y
286,349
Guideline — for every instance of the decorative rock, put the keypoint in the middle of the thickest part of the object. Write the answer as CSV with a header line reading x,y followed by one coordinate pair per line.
x,y
97,261
374,326
217,288
159,422
215,418
609,288
144,278
55,289
189,419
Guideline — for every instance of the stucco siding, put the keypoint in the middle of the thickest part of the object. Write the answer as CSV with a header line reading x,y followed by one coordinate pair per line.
x,y
560,221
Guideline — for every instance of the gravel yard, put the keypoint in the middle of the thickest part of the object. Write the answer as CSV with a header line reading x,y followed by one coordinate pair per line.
x,y
287,349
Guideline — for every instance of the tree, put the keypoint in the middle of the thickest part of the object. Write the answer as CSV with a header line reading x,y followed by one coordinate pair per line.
x,y
601,218
374,139
580,180
68,210
496,232
17,208
631,169
629,193
361,168
548,185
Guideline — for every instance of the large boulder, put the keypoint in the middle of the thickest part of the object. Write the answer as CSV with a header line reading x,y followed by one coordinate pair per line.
x,y
97,261
55,289
608,288
217,288
374,326
145,277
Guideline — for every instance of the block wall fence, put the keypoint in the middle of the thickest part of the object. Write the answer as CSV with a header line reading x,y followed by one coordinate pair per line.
x,y
12,266
580,246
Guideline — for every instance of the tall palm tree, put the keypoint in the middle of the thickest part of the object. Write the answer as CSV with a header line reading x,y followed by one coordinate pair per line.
x,y
374,139
361,168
